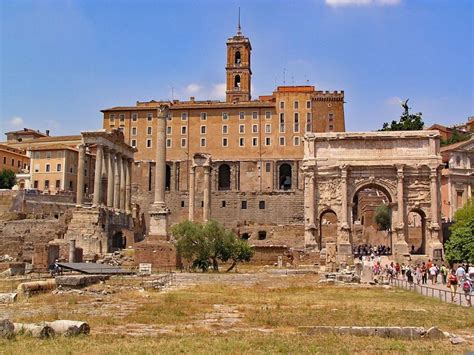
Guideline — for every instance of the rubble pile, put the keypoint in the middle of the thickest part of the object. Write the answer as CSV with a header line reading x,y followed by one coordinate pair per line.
x,y
115,259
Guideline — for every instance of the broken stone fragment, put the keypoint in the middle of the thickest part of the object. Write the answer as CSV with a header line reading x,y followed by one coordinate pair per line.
x,y
434,333
457,340
6,328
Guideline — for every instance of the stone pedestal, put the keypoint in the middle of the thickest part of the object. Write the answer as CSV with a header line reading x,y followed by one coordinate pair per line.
x,y
159,221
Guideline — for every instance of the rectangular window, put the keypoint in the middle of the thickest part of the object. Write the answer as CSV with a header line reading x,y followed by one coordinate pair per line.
x,y
19,163
149,116
255,128
268,115
225,129
331,127
48,156
296,123
254,115
58,167
13,162
148,143
122,117
168,142
35,184
225,115
134,117
296,141
244,205
133,143
183,142
222,204
183,130
309,122
48,168
282,105
308,104
331,117
58,184
241,115
168,129
268,141
4,160
282,141
242,128
268,128
242,142
225,142
268,167
170,116
203,129
184,116
112,118
46,184
203,142
296,105
134,131
203,116
261,205
254,142
282,122
148,130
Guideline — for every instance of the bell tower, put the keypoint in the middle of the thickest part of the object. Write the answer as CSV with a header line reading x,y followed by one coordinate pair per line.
x,y
238,72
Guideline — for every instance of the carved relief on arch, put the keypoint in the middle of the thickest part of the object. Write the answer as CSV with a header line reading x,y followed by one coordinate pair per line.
x,y
329,191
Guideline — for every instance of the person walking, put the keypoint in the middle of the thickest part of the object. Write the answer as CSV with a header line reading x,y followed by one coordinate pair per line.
x,y
433,272
444,274
452,284
418,274
467,288
460,272
424,274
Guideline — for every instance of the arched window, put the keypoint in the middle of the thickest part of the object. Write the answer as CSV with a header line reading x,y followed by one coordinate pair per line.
x,y
237,57
168,178
237,81
224,177
285,177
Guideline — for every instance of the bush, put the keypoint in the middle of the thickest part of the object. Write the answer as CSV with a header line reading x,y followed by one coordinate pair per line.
x,y
7,179
460,246
382,217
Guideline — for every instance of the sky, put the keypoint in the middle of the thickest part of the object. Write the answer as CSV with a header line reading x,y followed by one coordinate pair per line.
x,y
62,61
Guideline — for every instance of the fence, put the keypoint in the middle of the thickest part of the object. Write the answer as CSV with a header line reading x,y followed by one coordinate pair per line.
x,y
443,295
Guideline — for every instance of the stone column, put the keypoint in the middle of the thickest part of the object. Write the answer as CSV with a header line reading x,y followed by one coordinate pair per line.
x,y
110,179
98,175
191,192
344,221
207,194
72,250
123,163
117,170
401,246
434,197
310,229
159,212
344,242
80,175
434,246
128,185
105,166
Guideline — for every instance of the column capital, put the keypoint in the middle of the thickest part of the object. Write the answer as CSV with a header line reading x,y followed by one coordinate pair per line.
x,y
344,170
163,111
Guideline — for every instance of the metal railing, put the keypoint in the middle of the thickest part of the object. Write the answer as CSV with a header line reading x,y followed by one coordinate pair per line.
x,y
446,295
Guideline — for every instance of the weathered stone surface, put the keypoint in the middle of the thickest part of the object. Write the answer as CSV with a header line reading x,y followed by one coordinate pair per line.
x,y
457,340
8,297
385,332
79,280
6,328
37,330
434,333
69,327
36,286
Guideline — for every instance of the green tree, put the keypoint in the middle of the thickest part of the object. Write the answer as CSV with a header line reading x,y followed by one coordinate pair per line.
x,y
460,246
407,122
382,217
7,179
206,245
456,137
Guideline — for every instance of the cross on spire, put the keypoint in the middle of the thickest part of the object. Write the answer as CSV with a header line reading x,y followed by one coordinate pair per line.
x,y
239,32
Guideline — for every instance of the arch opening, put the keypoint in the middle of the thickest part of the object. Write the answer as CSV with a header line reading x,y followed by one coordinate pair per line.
x,y
237,57
327,228
237,81
118,241
285,177
224,177
416,231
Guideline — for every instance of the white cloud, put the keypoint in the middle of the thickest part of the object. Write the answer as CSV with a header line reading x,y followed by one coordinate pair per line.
x,y
218,91
16,122
394,100
193,89
344,3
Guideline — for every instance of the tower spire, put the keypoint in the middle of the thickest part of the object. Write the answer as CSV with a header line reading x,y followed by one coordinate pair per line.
x,y
239,32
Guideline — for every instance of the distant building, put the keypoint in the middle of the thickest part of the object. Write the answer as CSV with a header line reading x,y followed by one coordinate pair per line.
x,y
24,134
13,158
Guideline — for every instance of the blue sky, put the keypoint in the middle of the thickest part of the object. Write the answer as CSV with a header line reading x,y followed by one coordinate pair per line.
x,y
61,62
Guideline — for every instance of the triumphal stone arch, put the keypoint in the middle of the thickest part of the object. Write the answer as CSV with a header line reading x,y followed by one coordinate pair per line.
x,y
398,169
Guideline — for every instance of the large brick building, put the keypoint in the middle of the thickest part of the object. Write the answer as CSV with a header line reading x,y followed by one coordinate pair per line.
x,y
255,148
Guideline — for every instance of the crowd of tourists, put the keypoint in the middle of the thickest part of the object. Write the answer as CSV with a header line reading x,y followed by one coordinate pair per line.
x,y
460,278
372,251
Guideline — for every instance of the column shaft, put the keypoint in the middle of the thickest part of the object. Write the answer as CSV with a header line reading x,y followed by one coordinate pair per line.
x,y
309,208
207,194
127,187
117,169
110,178
344,219
192,178
434,197
123,162
80,175
98,175
160,171
400,204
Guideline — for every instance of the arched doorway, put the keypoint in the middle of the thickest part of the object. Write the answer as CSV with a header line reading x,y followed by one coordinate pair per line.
x,y
224,177
372,219
284,177
328,227
416,231
168,178
118,242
